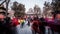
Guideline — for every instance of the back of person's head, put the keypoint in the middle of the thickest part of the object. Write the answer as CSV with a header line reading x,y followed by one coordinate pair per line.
x,y
55,13
3,13
35,18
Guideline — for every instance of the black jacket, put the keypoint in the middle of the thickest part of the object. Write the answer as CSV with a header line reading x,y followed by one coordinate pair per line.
x,y
5,26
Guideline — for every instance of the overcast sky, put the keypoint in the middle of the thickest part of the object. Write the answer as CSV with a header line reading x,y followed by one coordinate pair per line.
x,y
31,3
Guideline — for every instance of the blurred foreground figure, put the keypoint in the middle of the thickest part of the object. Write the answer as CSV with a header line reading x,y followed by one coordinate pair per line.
x,y
35,26
5,24
42,25
55,23
14,24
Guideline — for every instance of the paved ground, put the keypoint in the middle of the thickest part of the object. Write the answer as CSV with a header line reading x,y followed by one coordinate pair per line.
x,y
25,30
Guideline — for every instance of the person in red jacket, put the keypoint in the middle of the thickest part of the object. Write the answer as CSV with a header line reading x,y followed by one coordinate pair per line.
x,y
35,26
15,21
14,24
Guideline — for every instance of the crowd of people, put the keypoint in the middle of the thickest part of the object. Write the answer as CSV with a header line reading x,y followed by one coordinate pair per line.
x,y
37,27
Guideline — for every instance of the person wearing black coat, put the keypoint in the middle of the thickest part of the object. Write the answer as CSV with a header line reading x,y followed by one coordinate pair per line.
x,y
42,25
5,22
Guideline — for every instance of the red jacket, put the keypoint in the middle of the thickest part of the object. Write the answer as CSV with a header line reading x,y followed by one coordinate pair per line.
x,y
35,25
15,21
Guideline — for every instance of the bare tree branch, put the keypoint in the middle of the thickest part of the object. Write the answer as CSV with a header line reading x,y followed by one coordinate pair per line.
x,y
2,2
